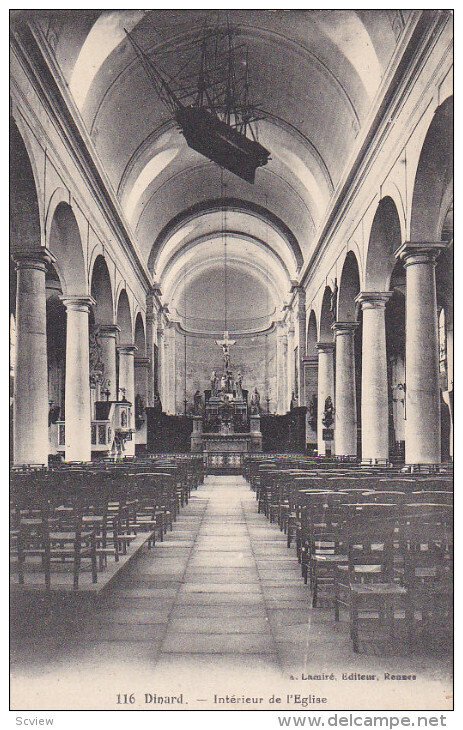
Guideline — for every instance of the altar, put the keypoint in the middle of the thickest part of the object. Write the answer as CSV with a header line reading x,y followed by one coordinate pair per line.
x,y
227,427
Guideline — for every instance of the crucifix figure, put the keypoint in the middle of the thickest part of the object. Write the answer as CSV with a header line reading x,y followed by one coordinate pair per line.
x,y
225,345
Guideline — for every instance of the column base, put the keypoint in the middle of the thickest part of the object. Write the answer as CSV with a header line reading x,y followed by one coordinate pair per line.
x,y
375,462
346,457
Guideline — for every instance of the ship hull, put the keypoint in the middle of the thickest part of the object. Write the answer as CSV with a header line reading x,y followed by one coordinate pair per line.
x,y
221,143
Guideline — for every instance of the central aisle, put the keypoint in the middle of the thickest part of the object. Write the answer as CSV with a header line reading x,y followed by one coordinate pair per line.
x,y
239,583
218,608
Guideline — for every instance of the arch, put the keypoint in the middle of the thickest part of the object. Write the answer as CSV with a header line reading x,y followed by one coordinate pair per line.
x,y
219,204
65,243
124,318
385,238
140,338
102,292
25,217
311,345
432,190
326,319
349,287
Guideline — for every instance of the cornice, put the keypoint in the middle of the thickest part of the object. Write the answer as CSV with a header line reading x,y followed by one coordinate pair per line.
x,y
31,52
213,335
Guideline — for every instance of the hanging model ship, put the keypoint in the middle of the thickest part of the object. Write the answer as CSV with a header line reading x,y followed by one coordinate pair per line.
x,y
209,99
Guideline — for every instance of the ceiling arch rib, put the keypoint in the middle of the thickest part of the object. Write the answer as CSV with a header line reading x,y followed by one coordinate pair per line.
x,y
251,210
208,250
239,224
188,243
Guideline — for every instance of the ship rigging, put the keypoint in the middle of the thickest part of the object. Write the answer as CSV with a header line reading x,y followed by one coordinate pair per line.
x,y
209,98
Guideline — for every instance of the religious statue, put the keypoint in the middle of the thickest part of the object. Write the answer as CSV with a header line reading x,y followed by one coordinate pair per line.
x,y
328,414
139,411
157,405
214,383
225,345
312,416
238,386
293,403
197,403
223,383
255,403
53,413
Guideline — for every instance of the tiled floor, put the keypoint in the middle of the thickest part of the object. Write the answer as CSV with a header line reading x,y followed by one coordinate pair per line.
x,y
218,607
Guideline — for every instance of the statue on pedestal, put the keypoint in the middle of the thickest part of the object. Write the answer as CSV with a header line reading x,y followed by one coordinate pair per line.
x,y
239,386
197,403
255,403
328,414
214,383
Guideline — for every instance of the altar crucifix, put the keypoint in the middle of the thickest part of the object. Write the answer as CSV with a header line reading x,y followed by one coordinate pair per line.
x,y
225,345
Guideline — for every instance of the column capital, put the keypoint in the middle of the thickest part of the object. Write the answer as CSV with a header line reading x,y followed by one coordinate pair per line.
x,y
127,349
75,303
373,299
344,328
141,361
325,346
39,259
310,361
419,252
108,330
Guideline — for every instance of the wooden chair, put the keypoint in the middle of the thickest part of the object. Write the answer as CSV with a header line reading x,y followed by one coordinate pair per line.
x,y
365,586
52,540
426,542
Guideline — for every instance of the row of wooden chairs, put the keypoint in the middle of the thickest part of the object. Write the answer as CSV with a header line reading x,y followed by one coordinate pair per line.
x,y
368,542
84,514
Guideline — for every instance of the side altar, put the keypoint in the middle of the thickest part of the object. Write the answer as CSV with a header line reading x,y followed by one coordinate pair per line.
x,y
226,427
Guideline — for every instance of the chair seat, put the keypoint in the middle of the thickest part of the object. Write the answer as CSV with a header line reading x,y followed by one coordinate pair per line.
x,y
330,558
378,589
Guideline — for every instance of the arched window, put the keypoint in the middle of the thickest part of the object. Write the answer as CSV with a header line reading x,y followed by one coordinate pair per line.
x,y
443,373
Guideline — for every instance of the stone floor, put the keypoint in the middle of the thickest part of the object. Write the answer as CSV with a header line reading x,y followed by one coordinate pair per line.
x,y
217,609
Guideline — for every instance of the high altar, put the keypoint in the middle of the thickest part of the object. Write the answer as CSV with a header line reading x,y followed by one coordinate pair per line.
x,y
227,427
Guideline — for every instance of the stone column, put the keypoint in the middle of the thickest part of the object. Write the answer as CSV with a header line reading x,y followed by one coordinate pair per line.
x,y
171,369
107,336
142,375
127,380
77,393
422,427
161,387
345,402
310,370
30,419
301,338
375,407
325,387
282,387
151,323
142,369
290,365
450,375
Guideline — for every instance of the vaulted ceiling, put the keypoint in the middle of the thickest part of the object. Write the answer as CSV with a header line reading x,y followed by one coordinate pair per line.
x,y
314,74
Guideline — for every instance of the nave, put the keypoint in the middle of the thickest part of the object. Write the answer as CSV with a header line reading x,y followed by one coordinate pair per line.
x,y
217,607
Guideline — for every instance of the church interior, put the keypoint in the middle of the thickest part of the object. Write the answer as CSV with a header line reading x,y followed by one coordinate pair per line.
x,y
231,355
